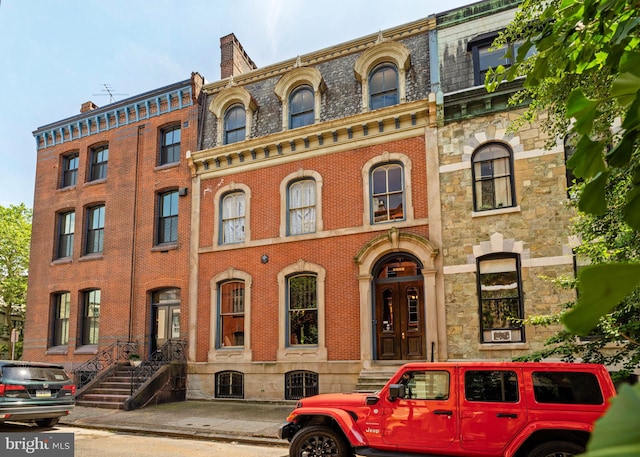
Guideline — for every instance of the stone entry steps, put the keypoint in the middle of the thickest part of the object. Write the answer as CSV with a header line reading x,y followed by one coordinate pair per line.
x,y
111,393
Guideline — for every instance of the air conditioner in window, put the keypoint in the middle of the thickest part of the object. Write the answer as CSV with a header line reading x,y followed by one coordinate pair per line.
x,y
500,336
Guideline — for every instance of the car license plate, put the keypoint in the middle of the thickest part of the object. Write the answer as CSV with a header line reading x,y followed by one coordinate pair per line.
x,y
43,393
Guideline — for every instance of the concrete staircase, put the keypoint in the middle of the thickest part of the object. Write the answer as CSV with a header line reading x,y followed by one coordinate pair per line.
x,y
374,378
111,392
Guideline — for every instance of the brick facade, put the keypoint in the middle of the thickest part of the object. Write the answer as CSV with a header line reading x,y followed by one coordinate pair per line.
x,y
132,264
361,265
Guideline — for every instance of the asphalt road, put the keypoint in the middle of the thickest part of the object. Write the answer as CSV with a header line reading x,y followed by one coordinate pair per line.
x,y
103,443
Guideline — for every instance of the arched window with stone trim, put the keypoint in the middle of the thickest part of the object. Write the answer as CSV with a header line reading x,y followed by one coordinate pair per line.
x,y
382,71
235,123
493,180
383,86
234,108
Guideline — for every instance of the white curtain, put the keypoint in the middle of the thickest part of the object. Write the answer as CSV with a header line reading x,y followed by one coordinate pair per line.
x,y
302,207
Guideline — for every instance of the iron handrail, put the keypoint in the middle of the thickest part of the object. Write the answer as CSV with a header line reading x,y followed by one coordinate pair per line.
x,y
171,351
106,358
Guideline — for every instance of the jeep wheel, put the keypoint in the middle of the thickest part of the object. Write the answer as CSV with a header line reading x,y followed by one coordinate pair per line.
x,y
556,449
319,441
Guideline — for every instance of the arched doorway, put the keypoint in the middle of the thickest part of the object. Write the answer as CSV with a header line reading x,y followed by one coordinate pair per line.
x,y
399,308
165,323
370,260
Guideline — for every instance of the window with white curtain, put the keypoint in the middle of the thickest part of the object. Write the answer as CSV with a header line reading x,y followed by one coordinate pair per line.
x,y
233,214
302,207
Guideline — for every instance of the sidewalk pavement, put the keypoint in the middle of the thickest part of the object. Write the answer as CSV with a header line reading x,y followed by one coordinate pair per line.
x,y
240,421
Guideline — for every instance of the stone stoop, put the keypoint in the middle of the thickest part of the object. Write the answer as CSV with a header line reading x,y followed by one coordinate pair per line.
x,y
111,393
374,378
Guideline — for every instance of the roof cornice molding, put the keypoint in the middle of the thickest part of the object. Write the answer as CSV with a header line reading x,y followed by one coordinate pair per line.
x,y
351,47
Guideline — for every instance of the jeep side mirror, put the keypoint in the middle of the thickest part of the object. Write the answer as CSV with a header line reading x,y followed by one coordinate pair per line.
x,y
396,391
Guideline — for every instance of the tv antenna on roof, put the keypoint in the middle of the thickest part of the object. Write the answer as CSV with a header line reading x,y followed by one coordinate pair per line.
x,y
108,89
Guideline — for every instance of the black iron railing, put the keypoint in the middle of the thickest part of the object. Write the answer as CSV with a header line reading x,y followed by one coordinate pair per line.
x,y
106,358
170,352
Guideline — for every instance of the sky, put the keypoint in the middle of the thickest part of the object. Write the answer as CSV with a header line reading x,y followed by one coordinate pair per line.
x,y
57,54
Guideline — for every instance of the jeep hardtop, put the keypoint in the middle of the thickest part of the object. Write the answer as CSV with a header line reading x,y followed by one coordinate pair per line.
x,y
521,409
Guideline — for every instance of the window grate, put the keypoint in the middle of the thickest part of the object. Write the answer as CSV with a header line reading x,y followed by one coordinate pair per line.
x,y
229,384
300,384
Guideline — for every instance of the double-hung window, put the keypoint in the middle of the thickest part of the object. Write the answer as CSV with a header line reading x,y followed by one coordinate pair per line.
x,y
66,229
91,316
62,309
387,193
235,121
95,230
302,207
167,225
99,160
492,169
301,107
69,170
170,149
232,307
233,218
383,86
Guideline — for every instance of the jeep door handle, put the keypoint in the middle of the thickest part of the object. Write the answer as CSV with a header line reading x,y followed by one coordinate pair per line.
x,y
443,412
508,415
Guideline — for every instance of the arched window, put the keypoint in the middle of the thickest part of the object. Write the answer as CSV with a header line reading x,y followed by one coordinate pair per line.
x,y
383,86
302,207
492,169
387,193
301,104
234,124
229,384
300,384
233,218
382,71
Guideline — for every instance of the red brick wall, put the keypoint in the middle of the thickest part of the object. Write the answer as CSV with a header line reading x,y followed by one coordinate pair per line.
x,y
112,271
342,207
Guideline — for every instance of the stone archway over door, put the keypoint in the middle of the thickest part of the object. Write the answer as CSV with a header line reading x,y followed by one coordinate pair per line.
x,y
370,256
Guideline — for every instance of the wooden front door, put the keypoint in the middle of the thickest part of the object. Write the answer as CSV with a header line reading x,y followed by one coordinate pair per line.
x,y
399,310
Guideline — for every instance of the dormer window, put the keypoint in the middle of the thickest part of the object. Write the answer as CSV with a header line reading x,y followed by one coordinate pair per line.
x,y
234,108
301,106
300,92
485,56
383,86
382,71
235,123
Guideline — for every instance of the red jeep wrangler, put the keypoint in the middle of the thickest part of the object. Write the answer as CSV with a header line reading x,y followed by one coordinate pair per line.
x,y
458,409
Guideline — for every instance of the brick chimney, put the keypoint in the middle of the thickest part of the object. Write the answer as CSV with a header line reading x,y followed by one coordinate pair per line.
x,y
88,106
233,58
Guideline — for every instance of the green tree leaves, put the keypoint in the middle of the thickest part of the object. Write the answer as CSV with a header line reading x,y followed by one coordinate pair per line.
x,y
15,238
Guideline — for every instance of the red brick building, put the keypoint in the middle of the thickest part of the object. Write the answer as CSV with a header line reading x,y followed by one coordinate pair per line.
x,y
111,226
311,223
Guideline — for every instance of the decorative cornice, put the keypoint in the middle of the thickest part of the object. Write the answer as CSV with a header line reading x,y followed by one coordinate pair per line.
x,y
395,122
476,101
116,115
351,47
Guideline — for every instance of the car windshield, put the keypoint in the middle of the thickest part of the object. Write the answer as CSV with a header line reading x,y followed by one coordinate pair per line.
x,y
17,373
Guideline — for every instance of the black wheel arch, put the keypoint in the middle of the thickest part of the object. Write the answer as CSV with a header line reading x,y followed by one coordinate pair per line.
x,y
542,436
